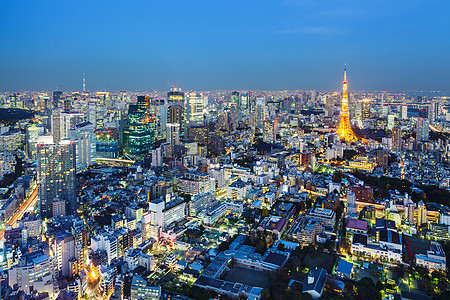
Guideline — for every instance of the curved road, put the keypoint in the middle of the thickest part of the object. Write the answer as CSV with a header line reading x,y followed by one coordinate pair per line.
x,y
31,201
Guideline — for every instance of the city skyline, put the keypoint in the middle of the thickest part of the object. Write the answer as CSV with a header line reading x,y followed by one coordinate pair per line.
x,y
295,45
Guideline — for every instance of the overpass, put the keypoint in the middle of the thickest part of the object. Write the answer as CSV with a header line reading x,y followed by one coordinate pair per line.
x,y
115,161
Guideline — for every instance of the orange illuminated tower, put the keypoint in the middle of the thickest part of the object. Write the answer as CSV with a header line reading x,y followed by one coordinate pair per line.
x,y
344,130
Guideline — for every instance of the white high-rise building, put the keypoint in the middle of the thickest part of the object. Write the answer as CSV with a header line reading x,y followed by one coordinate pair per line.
x,y
390,122
156,209
62,123
157,160
56,175
32,134
163,118
107,242
63,250
260,111
409,213
85,140
421,214
194,109
173,133
92,113
404,112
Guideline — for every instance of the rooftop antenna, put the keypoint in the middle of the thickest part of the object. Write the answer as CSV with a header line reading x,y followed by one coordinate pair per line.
x,y
84,83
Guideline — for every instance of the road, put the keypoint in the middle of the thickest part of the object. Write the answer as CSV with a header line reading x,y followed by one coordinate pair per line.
x,y
31,201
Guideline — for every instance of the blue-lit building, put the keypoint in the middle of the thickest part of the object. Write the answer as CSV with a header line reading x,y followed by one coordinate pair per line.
x,y
139,134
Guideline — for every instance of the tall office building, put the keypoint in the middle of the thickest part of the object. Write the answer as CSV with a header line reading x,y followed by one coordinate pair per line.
x,y
365,109
199,134
91,115
409,213
55,175
173,133
397,139
422,129
194,109
175,114
435,109
244,101
85,140
175,97
163,110
260,111
63,250
270,130
32,134
175,107
63,123
68,103
421,214
235,97
390,122
404,112
330,105
57,97
139,134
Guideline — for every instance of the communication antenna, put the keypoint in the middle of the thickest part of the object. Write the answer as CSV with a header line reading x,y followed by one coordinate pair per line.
x,y
84,83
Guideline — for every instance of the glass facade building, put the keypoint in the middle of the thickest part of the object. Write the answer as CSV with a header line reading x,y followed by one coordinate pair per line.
x,y
139,134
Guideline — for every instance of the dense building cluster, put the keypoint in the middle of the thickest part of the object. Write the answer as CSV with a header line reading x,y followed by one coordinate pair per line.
x,y
196,195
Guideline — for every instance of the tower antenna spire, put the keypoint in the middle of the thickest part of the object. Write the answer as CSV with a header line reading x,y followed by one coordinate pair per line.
x,y
344,129
84,83
345,72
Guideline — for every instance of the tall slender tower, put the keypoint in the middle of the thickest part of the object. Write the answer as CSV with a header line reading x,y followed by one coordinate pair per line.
x,y
84,83
344,129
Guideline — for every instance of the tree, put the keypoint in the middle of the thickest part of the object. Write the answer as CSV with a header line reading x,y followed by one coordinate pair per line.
x,y
265,294
264,212
337,177
436,274
367,289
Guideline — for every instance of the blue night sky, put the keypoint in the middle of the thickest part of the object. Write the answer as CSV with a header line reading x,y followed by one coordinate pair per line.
x,y
292,44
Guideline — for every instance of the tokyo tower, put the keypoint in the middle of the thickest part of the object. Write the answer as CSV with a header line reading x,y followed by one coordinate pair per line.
x,y
344,130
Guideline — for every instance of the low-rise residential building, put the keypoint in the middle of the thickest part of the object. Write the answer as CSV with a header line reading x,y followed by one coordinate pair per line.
x,y
434,259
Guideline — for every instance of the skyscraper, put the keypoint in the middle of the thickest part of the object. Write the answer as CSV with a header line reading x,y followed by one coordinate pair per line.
x,y
435,109
270,130
85,140
63,123
365,109
421,214
139,134
55,175
173,133
57,96
244,100
409,213
91,116
404,112
422,129
396,139
344,129
175,114
194,109
175,97
260,111
235,97
330,105
32,134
